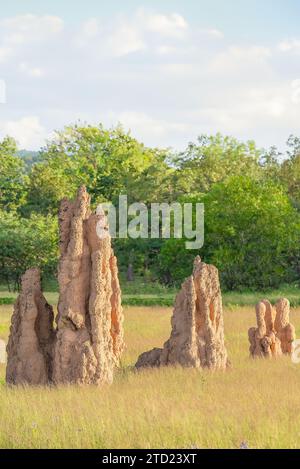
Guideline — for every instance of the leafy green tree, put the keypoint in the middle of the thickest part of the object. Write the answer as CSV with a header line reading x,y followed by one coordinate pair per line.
x,y
252,234
214,159
140,253
108,162
25,243
290,170
12,176
175,262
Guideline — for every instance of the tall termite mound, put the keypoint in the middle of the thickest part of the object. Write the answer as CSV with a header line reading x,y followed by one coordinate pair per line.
x,y
30,344
197,336
88,341
274,335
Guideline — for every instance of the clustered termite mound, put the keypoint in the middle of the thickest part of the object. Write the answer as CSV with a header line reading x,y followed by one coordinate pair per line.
x,y
274,335
87,342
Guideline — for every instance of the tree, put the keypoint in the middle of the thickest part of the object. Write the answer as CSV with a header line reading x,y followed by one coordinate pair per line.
x,y
108,162
252,234
12,176
175,262
213,159
290,170
25,243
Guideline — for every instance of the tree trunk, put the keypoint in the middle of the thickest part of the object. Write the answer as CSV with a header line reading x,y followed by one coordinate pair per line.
x,y
129,275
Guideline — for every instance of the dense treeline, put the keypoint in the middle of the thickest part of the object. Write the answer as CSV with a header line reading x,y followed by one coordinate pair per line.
x,y
251,198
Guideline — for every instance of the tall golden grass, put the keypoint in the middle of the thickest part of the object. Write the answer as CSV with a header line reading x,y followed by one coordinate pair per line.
x,y
257,401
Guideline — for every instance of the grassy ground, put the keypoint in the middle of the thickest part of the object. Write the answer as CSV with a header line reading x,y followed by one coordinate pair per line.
x,y
256,401
141,293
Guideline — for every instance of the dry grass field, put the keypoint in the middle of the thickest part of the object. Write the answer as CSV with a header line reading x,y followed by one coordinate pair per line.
x,y
257,401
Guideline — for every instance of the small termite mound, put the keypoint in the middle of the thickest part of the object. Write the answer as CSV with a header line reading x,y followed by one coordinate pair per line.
x,y
197,335
31,339
274,335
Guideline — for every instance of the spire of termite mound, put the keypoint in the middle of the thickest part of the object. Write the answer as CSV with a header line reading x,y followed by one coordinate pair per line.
x,y
197,335
89,338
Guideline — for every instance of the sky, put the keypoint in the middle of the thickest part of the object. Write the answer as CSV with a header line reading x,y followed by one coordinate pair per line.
x,y
167,70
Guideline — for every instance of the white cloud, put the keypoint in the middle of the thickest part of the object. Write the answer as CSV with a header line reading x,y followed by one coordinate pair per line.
x,y
19,32
166,50
290,45
28,131
212,32
252,112
125,40
145,126
30,71
238,57
5,52
91,27
173,25
160,74
124,35
295,91
2,92
26,28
